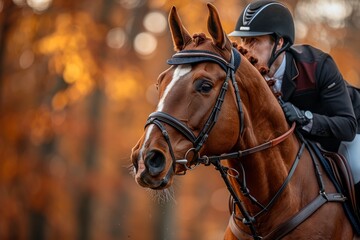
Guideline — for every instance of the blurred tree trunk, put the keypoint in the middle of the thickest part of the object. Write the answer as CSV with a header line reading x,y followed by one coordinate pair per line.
x,y
5,24
85,204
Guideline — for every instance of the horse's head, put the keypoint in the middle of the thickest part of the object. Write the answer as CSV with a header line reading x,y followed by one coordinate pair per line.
x,y
182,126
191,92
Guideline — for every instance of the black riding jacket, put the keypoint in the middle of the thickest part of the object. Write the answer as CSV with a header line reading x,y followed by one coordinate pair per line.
x,y
313,82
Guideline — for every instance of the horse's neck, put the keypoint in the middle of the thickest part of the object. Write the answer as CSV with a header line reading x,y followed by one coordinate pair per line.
x,y
264,120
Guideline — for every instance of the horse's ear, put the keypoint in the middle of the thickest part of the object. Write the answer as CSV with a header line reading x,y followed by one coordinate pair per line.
x,y
179,34
215,28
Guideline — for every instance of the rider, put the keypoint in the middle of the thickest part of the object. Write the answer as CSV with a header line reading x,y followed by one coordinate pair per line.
x,y
314,92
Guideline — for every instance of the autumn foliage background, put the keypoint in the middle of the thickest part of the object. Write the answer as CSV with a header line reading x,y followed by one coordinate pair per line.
x,y
76,86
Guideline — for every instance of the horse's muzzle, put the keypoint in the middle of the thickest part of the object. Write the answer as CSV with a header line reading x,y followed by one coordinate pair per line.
x,y
145,180
150,172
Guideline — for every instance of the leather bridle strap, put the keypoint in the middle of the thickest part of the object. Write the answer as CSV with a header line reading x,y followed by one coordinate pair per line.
x,y
306,212
242,153
175,123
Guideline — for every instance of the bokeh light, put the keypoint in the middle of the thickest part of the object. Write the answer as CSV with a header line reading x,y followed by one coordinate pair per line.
x,y
301,29
59,101
116,38
155,22
39,5
26,59
145,43
334,11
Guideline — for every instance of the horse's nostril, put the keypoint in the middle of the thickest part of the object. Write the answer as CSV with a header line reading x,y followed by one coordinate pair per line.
x,y
155,159
155,162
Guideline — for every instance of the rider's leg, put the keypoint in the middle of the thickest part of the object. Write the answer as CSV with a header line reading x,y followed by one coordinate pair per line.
x,y
351,151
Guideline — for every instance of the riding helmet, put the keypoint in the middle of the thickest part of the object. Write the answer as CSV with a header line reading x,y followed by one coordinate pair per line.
x,y
265,17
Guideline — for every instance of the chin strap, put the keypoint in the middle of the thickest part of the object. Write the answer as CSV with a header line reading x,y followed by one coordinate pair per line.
x,y
274,53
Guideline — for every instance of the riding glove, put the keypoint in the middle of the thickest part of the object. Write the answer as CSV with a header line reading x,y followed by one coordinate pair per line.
x,y
293,114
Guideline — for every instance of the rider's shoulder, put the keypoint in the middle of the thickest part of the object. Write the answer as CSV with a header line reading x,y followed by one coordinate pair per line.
x,y
307,52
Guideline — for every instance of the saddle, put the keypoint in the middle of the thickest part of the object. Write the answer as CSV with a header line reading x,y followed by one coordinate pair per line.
x,y
343,176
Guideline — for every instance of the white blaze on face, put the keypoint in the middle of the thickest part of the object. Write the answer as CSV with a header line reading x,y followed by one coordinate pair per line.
x,y
180,71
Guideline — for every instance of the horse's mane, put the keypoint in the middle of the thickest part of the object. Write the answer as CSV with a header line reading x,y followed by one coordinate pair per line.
x,y
263,70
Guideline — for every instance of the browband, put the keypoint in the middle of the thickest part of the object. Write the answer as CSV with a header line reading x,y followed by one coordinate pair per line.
x,y
196,56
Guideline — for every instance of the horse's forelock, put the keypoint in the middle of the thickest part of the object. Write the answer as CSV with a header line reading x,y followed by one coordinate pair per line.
x,y
199,38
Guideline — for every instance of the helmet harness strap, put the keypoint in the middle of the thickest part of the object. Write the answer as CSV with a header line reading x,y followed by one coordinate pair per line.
x,y
274,53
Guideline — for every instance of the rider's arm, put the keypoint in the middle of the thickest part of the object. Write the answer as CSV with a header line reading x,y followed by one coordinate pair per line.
x,y
339,120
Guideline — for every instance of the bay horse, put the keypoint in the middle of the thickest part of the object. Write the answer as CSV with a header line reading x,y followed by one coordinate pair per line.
x,y
216,109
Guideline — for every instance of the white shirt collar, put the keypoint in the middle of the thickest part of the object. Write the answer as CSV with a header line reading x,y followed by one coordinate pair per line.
x,y
278,75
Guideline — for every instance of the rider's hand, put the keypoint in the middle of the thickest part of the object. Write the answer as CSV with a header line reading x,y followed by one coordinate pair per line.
x,y
293,114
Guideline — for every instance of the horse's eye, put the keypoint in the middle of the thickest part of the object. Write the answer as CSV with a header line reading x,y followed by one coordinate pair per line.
x,y
203,86
206,87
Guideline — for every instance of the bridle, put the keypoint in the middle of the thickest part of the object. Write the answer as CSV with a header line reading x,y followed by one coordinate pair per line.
x,y
160,118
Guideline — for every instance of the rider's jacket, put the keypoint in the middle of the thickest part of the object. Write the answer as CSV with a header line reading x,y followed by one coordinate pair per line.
x,y
313,82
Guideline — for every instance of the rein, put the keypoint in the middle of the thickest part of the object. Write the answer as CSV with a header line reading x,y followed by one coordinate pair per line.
x,y
241,153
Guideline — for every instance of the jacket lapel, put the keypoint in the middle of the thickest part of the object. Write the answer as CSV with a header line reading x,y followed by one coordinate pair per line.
x,y
291,72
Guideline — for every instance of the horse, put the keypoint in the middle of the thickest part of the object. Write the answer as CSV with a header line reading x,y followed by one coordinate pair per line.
x,y
216,109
